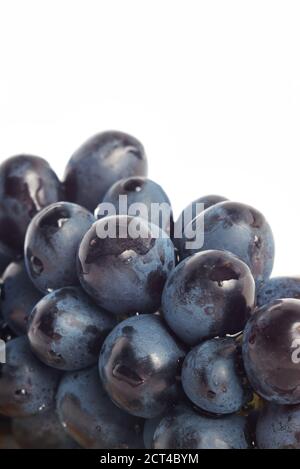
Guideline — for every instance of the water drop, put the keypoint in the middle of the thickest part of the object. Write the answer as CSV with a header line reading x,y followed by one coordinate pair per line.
x,y
21,392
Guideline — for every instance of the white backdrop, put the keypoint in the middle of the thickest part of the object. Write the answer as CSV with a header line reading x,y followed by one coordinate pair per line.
x,y
212,89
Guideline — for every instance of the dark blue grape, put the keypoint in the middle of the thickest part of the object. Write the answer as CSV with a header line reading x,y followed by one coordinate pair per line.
x,y
41,431
51,245
18,297
67,329
278,427
27,184
27,387
125,274
99,163
240,229
278,288
185,429
139,190
139,365
209,294
213,378
89,416
271,351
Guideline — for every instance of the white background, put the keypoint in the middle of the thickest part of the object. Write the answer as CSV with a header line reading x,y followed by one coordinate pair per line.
x,y
212,89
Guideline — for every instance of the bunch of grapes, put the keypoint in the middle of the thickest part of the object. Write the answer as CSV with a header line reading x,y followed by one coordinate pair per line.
x,y
122,330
